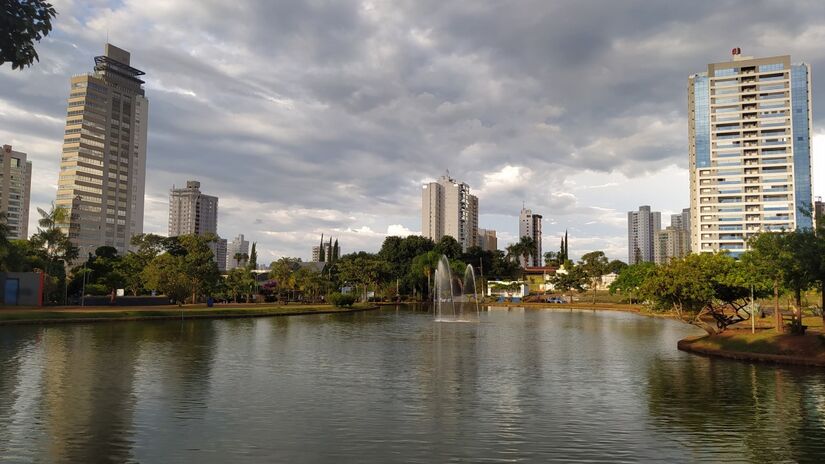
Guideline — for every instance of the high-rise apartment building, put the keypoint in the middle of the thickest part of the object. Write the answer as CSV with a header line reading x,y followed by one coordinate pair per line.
x,y
529,225
15,191
750,150
674,240
218,247
192,212
103,165
487,239
238,246
642,226
448,208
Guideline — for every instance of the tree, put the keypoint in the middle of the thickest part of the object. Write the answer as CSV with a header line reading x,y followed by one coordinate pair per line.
x,y
23,23
57,248
166,274
449,247
526,248
616,266
426,264
321,247
772,258
551,259
191,266
240,258
238,281
280,272
253,257
699,286
594,265
336,252
631,278
568,278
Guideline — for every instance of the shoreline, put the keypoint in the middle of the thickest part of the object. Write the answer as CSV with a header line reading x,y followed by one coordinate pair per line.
x,y
167,314
699,345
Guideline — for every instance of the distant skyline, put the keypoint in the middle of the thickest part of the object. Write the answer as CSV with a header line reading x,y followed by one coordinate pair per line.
x,y
306,119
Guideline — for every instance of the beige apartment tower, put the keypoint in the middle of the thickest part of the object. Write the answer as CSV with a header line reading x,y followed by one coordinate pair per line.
x,y
749,127
448,208
192,212
103,165
15,191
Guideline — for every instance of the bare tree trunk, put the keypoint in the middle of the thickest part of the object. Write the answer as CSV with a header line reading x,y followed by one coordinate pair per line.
x,y
822,306
777,314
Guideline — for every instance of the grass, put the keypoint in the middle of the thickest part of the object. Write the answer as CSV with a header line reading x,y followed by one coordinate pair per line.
x,y
189,311
767,341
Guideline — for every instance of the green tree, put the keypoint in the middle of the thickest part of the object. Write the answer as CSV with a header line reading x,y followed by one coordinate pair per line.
x,y
321,246
167,275
238,282
771,256
23,22
425,264
616,266
594,265
700,286
631,278
449,247
568,278
253,257
551,259
526,248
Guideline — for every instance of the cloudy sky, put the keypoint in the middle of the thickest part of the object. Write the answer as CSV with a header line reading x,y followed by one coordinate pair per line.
x,y
321,116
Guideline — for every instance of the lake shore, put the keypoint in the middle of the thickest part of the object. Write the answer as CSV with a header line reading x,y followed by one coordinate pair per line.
x,y
65,315
765,345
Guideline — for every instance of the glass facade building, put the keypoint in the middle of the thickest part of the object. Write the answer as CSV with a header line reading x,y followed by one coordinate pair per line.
x,y
750,153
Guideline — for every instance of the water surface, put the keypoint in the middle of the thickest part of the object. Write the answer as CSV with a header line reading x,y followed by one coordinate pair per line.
x,y
393,386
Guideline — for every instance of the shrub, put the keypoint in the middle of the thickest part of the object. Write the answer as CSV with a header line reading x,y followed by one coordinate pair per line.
x,y
340,300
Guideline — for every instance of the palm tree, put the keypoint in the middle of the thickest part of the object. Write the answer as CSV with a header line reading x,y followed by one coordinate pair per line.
x,y
426,264
527,248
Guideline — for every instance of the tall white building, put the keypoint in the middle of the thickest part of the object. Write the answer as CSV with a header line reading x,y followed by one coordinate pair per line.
x,y
192,212
749,131
237,245
529,225
642,226
15,191
448,208
103,165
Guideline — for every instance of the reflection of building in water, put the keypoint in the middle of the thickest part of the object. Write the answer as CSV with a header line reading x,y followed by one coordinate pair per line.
x,y
87,390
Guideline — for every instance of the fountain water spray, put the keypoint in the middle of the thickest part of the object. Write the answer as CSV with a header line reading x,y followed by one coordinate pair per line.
x,y
455,300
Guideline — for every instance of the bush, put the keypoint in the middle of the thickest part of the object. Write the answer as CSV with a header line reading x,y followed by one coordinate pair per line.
x,y
340,300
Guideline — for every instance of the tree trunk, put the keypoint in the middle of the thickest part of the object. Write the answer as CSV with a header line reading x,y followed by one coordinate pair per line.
x,y
798,310
777,314
822,306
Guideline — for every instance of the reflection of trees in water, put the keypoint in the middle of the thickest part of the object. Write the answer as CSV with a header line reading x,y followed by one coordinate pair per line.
x,y
761,413
87,393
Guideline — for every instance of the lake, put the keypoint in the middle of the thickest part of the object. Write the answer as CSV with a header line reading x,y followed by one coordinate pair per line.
x,y
521,385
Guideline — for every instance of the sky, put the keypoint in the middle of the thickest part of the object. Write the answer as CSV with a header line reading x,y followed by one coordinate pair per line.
x,y
311,117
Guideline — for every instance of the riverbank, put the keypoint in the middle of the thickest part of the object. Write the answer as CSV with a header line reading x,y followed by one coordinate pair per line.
x,y
61,315
764,346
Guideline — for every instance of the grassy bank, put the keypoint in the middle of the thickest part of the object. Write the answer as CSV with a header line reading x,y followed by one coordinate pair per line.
x,y
78,314
765,345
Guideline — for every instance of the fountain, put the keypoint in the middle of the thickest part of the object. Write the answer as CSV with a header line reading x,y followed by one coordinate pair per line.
x,y
455,300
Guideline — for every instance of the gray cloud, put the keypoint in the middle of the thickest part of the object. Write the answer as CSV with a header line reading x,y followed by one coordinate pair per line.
x,y
310,117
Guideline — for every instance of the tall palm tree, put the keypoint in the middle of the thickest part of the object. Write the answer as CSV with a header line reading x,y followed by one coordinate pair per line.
x,y
427,263
527,247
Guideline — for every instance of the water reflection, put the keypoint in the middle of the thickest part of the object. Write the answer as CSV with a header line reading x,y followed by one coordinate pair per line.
x,y
393,386
727,410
